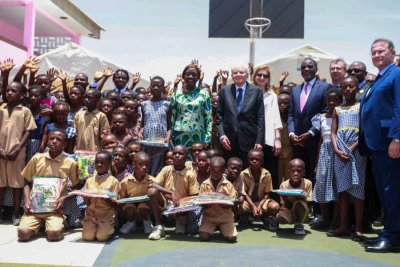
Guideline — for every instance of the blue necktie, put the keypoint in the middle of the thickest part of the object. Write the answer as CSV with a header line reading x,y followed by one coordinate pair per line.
x,y
239,99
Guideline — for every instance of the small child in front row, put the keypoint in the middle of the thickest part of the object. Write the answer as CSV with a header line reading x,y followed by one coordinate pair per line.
x,y
100,214
257,186
220,216
137,185
233,170
55,164
295,209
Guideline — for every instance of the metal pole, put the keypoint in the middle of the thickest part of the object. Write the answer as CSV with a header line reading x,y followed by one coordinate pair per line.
x,y
252,50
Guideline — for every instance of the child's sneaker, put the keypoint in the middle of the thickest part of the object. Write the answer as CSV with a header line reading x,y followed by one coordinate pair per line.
x,y
147,226
157,233
179,228
273,223
15,219
128,227
299,229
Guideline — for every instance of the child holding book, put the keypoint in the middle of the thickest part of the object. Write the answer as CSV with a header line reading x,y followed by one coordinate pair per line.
x,y
55,164
100,214
220,216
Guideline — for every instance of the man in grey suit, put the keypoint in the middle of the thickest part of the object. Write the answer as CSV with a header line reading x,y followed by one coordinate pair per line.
x,y
240,116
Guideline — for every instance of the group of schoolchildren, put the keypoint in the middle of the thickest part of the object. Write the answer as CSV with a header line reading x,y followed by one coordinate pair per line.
x,y
40,132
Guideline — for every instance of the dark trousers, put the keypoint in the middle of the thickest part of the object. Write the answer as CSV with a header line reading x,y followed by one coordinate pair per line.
x,y
387,180
271,164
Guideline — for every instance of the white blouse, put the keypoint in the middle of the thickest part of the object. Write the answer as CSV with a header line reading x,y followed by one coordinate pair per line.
x,y
272,117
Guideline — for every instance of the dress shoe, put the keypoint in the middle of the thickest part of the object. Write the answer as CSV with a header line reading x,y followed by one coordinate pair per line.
x,y
382,247
370,241
316,220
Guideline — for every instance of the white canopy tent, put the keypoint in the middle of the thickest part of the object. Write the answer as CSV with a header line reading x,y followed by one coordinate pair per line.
x,y
291,61
74,59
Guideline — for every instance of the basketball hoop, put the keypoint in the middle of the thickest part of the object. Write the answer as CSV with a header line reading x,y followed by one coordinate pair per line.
x,y
256,26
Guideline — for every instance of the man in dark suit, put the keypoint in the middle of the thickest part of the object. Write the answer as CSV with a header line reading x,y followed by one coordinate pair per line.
x,y
380,134
307,100
240,116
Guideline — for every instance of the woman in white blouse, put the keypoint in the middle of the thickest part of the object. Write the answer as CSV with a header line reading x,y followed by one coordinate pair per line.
x,y
273,124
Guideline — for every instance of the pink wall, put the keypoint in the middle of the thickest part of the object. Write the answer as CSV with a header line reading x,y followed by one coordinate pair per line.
x,y
11,32
10,51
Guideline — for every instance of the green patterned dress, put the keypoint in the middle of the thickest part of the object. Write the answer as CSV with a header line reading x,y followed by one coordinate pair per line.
x,y
191,118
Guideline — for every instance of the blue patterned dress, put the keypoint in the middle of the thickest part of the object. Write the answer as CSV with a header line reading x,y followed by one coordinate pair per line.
x,y
350,176
155,129
325,187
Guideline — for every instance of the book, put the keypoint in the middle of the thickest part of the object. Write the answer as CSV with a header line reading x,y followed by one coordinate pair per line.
x,y
85,160
290,192
153,143
174,210
133,199
95,193
45,192
208,199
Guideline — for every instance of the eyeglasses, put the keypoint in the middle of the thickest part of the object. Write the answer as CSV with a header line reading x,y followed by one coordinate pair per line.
x,y
349,71
262,75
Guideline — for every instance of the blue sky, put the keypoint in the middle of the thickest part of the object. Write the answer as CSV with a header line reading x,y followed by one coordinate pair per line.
x,y
161,37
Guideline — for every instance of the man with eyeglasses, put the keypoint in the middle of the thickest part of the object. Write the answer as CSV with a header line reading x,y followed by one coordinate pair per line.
x,y
359,70
380,136
337,70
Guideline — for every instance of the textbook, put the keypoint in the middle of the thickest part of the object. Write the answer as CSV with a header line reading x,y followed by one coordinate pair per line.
x,y
96,193
45,192
208,199
153,143
133,199
291,192
174,210
85,163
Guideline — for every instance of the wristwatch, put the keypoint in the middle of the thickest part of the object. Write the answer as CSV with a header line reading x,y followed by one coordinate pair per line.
x,y
396,140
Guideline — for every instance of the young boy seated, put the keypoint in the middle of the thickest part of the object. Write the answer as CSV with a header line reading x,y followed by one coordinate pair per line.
x,y
179,180
100,214
220,216
52,163
233,170
137,185
257,185
295,209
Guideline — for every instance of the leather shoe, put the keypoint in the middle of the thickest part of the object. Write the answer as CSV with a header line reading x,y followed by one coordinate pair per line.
x,y
316,220
370,241
382,247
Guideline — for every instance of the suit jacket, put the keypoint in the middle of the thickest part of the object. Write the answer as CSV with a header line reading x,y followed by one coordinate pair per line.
x,y
380,111
299,122
246,126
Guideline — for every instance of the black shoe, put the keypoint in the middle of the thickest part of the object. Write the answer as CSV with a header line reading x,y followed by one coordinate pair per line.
x,y
371,241
316,220
382,247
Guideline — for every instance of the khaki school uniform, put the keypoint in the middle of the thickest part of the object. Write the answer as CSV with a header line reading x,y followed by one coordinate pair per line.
x,y
43,164
264,187
131,187
99,218
183,183
306,185
90,126
216,215
12,129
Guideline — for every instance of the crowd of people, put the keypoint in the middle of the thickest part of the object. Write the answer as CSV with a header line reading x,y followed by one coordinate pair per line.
x,y
338,141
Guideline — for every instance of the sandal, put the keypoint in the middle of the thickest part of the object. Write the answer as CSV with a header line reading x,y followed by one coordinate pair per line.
x,y
333,233
358,237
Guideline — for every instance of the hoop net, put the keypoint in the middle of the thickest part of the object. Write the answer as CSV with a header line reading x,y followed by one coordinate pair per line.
x,y
257,24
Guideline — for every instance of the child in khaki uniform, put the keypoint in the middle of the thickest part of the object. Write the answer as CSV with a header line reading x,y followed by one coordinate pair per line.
x,y
52,163
233,170
179,180
257,185
295,209
90,124
16,123
134,186
100,214
220,216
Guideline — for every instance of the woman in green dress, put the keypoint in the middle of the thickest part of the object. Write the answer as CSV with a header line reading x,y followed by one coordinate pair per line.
x,y
191,116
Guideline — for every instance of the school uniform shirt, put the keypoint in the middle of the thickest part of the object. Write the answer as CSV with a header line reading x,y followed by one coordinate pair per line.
x,y
132,187
238,185
217,211
100,208
183,183
42,164
264,184
90,126
13,127
305,184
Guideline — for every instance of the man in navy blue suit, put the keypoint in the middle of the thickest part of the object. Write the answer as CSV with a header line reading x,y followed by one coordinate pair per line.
x,y
380,134
307,100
